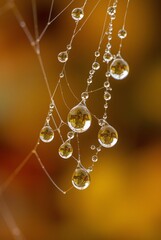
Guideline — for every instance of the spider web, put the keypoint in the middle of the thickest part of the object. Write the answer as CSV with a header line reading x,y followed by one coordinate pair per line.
x,y
57,118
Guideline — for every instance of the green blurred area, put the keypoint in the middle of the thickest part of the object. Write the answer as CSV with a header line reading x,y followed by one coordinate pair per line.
x,y
123,201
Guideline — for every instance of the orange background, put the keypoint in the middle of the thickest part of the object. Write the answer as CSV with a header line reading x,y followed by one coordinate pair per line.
x,y
123,201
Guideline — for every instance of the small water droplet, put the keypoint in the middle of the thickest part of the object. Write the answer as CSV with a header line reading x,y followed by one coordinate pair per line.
x,y
77,14
63,57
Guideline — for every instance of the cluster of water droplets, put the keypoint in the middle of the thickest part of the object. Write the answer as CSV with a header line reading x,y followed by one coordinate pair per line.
x,y
79,118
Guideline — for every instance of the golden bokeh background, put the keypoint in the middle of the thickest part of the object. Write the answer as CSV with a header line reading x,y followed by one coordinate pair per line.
x,y
123,201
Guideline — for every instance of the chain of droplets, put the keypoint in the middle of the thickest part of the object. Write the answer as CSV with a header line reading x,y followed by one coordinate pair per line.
x,y
47,133
79,118
118,69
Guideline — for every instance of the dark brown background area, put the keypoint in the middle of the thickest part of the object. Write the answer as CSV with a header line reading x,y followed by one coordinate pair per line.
x,y
123,201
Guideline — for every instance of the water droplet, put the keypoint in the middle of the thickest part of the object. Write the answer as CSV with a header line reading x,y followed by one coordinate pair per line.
x,y
111,10
109,37
52,105
107,57
97,54
101,122
107,96
84,96
106,105
119,69
79,118
63,57
66,150
107,136
108,45
94,158
90,169
106,84
107,74
93,147
77,14
99,149
122,33
81,178
70,135
91,72
69,46
95,66
46,134
89,80
61,75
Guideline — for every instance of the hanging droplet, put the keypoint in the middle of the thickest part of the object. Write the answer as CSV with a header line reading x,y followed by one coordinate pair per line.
x,y
106,84
107,136
94,158
101,122
89,80
122,33
107,96
119,69
77,14
79,118
107,57
95,66
46,134
63,57
70,135
84,96
66,150
97,54
81,178
93,147
111,10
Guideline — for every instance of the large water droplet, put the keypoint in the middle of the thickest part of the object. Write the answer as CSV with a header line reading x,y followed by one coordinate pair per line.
x,y
81,178
119,69
107,136
46,134
79,118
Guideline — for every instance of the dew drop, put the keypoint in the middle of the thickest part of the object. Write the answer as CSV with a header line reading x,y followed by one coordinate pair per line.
x,y
84,96
65,150
79,118
107,57
119,69
77,14
111,10
95,66
63,57
107,136
70,135
47,134
81,178
122,33
107,96
94,158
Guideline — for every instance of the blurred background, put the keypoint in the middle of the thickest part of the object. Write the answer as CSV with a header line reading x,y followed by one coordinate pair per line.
x,y
123,201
